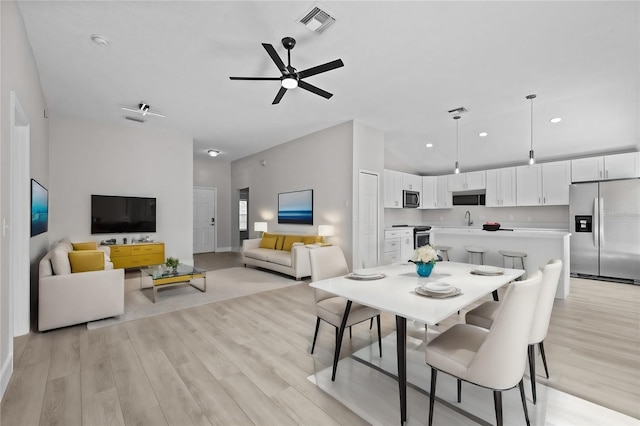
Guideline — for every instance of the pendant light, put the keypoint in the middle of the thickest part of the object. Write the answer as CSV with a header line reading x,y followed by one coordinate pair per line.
x,y
457,168
532,159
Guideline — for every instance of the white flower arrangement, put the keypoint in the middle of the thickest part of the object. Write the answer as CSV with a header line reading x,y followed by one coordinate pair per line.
x,y
426,254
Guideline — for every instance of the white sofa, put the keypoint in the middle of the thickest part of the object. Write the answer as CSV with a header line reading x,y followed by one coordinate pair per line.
x,y
67,298
294,262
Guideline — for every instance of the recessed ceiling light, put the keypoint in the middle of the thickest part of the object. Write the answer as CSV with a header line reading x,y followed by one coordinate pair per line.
x,y
483,134
429,145
556,120
213,152
101,41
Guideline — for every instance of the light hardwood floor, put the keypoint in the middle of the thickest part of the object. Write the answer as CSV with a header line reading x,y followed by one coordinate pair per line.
x,y
246,360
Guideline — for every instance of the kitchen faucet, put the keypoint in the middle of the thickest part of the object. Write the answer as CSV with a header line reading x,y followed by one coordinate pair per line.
x,y
469,221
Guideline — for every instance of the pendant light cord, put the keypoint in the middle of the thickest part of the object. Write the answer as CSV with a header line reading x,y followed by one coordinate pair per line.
x,y
532,122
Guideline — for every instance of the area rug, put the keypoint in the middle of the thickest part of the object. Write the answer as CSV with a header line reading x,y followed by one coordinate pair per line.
x,y
222,284
366,384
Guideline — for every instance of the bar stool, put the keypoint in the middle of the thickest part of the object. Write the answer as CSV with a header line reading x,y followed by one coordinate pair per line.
x,y
473,250
444,251
513,255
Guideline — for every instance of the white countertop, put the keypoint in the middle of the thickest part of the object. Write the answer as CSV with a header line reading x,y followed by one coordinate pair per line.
x,y
517,232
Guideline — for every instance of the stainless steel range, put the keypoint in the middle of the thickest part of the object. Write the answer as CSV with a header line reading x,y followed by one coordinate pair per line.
x,y
420,234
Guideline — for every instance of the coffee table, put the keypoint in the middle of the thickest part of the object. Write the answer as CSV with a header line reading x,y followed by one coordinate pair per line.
x,y
161,276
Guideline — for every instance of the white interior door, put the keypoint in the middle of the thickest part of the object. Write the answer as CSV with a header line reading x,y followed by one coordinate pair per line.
x,y
19,218
368,221
204,220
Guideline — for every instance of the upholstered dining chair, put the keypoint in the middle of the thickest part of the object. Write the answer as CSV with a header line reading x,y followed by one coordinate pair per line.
x,y
329,262
484,315
492,358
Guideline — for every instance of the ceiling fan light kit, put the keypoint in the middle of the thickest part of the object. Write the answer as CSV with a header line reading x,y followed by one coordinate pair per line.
x,y
292,78
213,152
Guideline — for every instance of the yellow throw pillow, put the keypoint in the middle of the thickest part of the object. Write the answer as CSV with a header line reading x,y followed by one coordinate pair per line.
x,y
310,239
280,242
86,260
90,245
289,240
268,242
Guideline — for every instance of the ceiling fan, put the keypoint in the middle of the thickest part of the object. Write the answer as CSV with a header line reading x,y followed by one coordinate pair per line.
x,y
143,109
292,78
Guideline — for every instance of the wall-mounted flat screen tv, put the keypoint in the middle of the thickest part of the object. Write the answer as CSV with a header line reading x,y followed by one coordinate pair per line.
x,y
39,208
111,214
296,207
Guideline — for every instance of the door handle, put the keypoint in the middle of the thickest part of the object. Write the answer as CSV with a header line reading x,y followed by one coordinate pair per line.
x,y
600,222
597,220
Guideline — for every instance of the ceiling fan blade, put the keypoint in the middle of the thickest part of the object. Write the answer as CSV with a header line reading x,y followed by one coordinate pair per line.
x,y
310,87
279,96
275,57
321,68
131,109
156,114
255,78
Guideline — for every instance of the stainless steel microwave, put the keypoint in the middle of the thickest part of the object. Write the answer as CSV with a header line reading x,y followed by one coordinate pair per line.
x,y
410,199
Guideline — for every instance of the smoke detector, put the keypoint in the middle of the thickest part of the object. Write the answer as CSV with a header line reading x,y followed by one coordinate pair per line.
x,y
317,20
458,111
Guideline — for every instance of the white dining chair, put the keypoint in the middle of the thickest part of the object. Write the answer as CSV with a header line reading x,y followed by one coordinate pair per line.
x,y
329,262
492,358
484,315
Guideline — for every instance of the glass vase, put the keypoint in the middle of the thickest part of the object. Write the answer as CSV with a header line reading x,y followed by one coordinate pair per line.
x,y
424,268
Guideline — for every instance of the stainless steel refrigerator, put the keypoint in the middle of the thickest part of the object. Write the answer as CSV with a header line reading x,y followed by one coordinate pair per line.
x,y
605,229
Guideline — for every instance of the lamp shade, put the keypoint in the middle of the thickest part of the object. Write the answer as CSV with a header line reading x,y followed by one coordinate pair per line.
x,y
325,230
260,226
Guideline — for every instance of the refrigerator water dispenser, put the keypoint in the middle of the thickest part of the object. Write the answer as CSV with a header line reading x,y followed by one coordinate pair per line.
x,y
583,223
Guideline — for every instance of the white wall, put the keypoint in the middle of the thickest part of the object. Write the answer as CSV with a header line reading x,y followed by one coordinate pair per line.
x,y
18,73
130,159
216,173
322,161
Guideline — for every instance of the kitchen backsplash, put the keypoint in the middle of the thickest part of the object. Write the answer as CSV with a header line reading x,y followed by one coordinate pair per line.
x,y
552,217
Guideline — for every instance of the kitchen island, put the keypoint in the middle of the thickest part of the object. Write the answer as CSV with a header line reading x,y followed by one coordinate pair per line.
x,y
540,245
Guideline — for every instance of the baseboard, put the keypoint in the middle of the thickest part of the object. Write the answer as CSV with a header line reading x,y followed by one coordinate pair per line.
x,y
221,249
5,374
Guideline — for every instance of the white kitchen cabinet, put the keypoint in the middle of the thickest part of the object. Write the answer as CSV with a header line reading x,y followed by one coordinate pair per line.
x,y
398,245
429,192
392,189
466,181
543,184
444,199
616,166
411,182
501,187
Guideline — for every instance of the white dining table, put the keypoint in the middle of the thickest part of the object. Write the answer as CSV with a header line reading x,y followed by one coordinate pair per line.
x,y
396,294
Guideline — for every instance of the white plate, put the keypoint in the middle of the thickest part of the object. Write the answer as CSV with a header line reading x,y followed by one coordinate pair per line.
x,y
365,273
437,287
483,269
422,292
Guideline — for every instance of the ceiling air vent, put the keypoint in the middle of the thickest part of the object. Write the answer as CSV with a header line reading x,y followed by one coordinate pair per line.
x,y
317,20
136,119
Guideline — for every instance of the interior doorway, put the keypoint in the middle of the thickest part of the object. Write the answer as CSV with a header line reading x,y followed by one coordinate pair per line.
x,y
19,219
204,220
243,214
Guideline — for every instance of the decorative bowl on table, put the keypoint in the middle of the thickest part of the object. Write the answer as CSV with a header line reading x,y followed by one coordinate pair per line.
x,y
424,268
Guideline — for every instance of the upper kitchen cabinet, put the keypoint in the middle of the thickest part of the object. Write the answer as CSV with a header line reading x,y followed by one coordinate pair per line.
x,y
501,187
444,199
392,189
543,184
617,166
411,182
466,181
429,192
